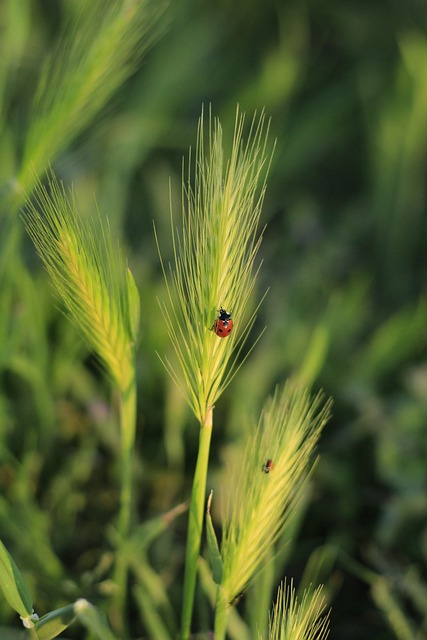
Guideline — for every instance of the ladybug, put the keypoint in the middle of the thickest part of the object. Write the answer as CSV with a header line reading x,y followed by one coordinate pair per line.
x,y
223,325
267,466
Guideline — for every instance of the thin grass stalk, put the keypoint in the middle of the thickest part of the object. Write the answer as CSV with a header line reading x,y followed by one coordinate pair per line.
x,y
128,405
214,266
32,633
102,300
221,614
195,523
392,610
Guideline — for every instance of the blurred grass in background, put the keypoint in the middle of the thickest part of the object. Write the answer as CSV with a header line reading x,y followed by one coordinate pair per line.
x,y
345,84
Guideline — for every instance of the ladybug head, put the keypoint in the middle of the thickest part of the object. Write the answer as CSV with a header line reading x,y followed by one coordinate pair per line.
x,y
224,315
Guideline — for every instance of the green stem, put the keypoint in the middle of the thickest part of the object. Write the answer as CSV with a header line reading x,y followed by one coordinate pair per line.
x,y
220,615
127,424
32,632
195,523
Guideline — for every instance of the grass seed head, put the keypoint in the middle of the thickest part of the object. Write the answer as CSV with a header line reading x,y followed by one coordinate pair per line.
x,y
260,505
89,274
215,252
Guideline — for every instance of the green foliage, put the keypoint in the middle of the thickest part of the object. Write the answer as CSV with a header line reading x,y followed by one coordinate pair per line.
x,y
214,552
54,622
13,585
93,620
81,500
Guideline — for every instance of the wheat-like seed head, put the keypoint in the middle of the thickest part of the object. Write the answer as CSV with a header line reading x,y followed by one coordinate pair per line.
x,y
96,55
291,619
214,258
261,503
89,274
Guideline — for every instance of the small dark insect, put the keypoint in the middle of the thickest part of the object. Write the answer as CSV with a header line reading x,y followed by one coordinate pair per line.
x,y
267,466
223,325
237,599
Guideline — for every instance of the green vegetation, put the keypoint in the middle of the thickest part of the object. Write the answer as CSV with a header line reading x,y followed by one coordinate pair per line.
x,y
157,481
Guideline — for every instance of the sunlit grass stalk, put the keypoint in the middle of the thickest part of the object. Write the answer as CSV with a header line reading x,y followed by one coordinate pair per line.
x,y
195,522
92,60
214,266
392,610
128,404
101,299
260,505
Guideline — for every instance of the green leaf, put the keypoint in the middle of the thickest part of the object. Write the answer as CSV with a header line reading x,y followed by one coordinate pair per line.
x,y
153,619
213,548
54,622
11,634
393,342
134,306
13,585
144,534
315,355
93,619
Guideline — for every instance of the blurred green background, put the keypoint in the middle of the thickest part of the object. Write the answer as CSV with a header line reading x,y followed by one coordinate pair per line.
x,y
345,85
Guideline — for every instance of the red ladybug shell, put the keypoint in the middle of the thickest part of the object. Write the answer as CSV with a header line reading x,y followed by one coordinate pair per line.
x,y
223,325
223,328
